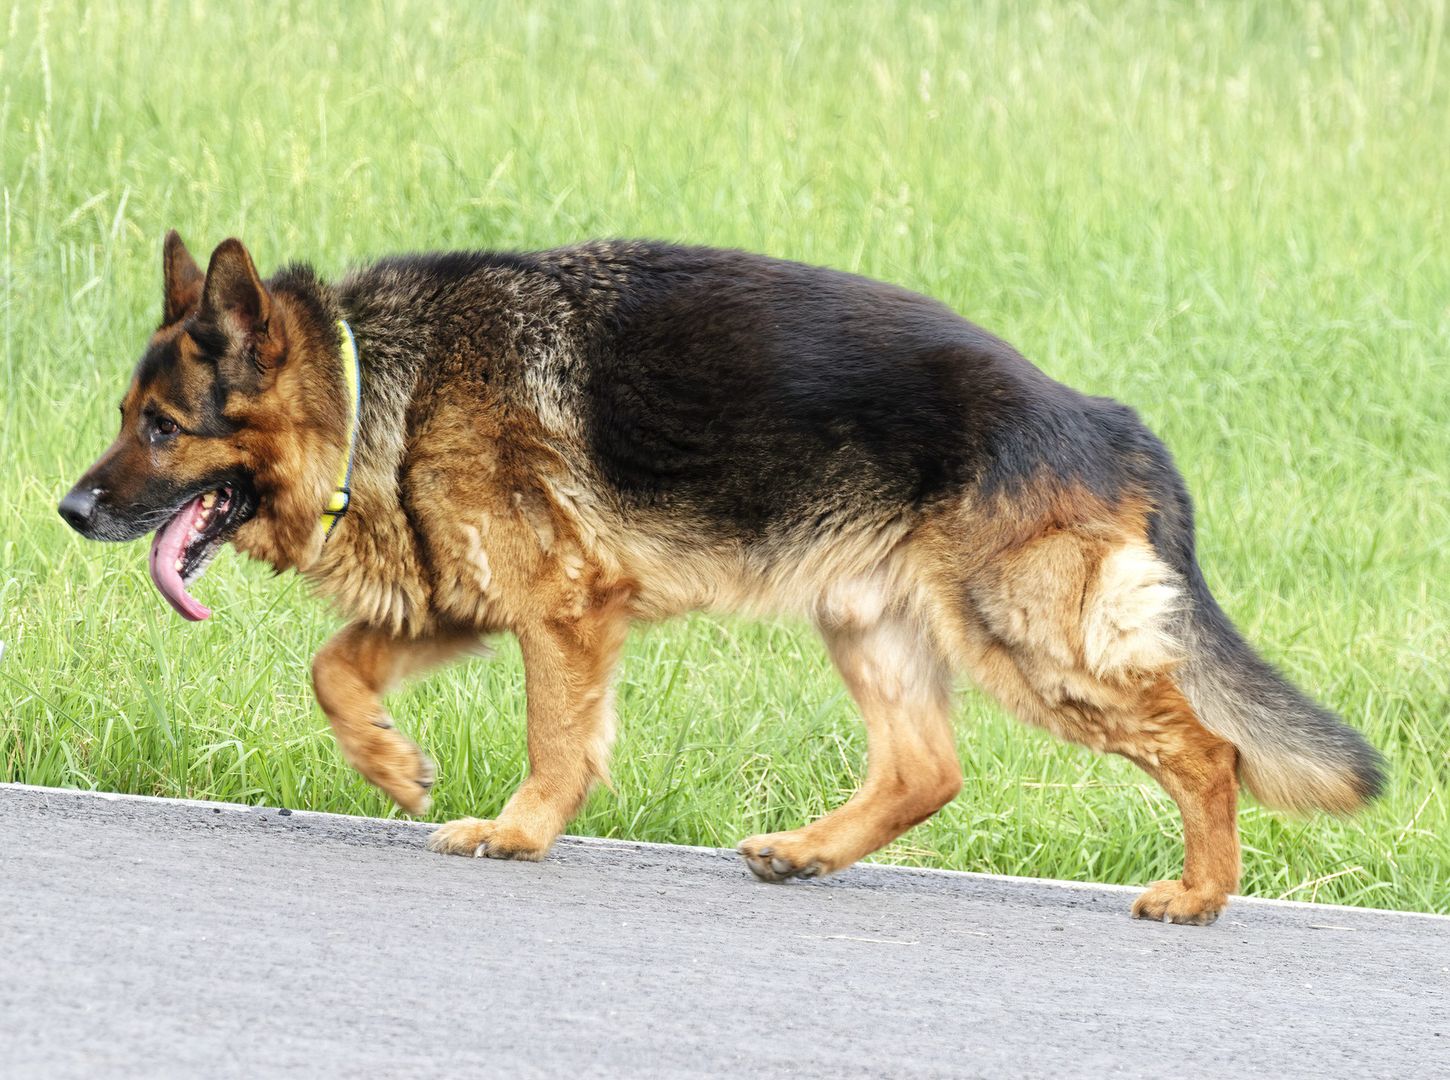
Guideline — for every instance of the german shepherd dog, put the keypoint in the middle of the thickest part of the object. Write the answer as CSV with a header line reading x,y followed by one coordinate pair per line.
x,y
555,444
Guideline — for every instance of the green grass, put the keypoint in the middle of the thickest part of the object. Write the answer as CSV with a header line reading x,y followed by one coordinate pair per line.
x,y
1231,216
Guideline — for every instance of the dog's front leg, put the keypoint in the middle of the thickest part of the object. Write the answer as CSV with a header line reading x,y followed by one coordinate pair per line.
x,y
567,669
350,675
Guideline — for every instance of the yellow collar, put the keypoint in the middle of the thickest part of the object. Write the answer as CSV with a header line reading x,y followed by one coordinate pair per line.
x,y
352,374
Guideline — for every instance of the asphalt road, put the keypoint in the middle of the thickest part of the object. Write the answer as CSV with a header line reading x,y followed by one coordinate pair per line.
x,y
142,937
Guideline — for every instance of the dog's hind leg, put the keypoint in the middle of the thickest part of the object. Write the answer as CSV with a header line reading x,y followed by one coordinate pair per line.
x,y
902,687
1074,631
568,664
1198,769
351,674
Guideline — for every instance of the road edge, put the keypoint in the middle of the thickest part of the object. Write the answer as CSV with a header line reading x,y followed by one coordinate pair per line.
x,y
424,827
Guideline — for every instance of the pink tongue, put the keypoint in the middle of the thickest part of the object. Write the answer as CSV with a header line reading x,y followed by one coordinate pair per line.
x,y
166,548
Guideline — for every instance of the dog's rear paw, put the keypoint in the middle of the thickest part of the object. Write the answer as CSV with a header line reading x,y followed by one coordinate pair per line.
x,y
487,840
781,856
1171,901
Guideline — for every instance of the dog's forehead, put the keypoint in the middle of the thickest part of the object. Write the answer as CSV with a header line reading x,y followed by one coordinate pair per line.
x,y
172,369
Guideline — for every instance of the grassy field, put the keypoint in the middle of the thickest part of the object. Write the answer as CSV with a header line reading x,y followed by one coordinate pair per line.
x,y
1231,216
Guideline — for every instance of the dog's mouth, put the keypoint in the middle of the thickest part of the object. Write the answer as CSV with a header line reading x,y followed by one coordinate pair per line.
x,y
186,545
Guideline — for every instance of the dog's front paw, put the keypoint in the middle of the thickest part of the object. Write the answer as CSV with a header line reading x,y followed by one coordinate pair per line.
x,y
781,856
394,764
487,840
1171,901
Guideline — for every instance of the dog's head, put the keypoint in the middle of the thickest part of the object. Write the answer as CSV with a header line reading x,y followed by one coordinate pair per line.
x,y
221,436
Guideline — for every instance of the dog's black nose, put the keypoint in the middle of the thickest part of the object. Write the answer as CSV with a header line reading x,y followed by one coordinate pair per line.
x,y
78,508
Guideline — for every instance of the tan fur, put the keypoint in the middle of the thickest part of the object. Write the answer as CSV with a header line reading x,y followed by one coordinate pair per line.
x,y
1128,613
568,664
350,675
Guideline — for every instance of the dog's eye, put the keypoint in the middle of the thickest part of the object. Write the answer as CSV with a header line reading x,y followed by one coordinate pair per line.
x,y
164,425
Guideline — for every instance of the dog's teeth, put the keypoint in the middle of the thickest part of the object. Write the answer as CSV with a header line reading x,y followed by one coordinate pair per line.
x,y
208,499
178,564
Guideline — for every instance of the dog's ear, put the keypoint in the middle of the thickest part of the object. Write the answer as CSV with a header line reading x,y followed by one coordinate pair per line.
x,y
235,301
233,291
181,277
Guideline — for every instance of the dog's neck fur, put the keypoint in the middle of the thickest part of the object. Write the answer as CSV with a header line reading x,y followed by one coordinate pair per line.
x,y
390,351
